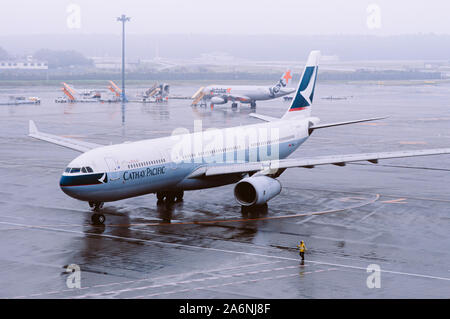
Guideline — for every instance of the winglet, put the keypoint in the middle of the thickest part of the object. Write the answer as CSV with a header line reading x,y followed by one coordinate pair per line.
x,y
32,129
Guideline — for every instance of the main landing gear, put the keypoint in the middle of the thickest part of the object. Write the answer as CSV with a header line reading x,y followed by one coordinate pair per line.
x,y
254,210
253,104
97,218
170,197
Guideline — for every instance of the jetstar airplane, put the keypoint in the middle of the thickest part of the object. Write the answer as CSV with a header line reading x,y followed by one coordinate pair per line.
x,y
221,94
171,165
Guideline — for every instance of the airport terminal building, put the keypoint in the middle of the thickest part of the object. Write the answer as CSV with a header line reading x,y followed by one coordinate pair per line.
x,y
28,64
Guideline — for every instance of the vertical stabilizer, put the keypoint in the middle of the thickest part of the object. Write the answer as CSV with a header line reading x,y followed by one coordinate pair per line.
x,y
303,100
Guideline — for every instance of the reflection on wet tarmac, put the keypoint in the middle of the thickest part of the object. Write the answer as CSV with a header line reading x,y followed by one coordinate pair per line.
x,y
204,247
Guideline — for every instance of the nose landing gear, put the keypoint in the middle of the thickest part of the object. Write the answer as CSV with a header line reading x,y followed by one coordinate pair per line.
x,y
97,218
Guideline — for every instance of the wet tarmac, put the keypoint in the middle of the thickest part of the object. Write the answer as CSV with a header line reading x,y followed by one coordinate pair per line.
x,y
395,214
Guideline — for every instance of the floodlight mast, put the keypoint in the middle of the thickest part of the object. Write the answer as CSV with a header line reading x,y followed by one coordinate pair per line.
x,y
123,19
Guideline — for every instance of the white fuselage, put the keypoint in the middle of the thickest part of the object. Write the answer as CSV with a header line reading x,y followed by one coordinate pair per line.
x,y
126,170
245,93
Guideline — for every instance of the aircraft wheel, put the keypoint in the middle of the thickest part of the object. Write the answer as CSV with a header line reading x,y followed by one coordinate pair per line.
x,y
160,196
179,196
255,209
98,219
170,198
245,210
233,105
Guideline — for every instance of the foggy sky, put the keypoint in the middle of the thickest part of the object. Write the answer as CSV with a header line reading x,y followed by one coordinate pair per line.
x,y
295,17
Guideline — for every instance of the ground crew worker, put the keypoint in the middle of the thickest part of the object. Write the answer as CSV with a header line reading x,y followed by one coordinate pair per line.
x,y
302,249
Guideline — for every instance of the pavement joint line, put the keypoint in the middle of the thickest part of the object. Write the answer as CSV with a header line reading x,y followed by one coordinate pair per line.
x,y
370,214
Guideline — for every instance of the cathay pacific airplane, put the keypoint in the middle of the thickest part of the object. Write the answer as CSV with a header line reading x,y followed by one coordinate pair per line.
x,y
222,94
252,157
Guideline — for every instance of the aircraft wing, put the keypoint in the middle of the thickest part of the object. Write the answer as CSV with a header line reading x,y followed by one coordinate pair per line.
x,y
71,143
271,167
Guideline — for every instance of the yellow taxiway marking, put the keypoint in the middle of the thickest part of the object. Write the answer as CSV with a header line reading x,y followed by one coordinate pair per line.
x,y
352,199
396,201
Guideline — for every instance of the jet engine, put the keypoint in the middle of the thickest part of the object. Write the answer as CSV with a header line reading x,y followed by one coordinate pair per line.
x,y
218,100
256,190
165,89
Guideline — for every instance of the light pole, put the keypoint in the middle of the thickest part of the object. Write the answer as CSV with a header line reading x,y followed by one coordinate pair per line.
x,y
123,19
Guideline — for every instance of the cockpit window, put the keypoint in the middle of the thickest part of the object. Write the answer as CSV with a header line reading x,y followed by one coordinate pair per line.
x,y
86,169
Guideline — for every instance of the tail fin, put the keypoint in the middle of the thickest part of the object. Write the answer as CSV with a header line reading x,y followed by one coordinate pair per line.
x,y
301,104
282,83
285,78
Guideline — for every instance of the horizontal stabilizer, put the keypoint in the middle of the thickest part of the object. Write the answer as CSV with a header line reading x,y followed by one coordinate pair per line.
x,y
318,126
264,117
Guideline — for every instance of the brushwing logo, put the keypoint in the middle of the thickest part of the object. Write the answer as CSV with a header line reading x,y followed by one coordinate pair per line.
x,y
305,93
103,179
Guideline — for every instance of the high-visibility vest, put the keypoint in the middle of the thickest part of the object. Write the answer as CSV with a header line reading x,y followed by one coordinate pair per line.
x,y
302,248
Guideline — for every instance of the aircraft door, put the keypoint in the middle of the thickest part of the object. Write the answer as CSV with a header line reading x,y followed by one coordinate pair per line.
x,y
113,169
167,155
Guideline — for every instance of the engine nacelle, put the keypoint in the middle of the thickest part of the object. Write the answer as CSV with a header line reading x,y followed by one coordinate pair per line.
x,y
165,89
218,100
256,190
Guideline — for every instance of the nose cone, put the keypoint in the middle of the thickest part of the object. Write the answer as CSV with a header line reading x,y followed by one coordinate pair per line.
x,y
80,186
69,191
